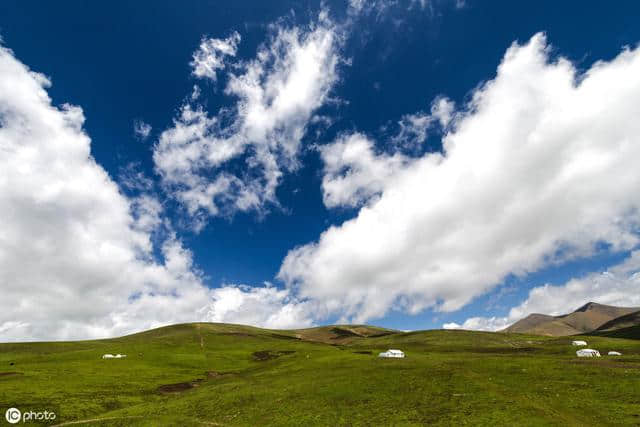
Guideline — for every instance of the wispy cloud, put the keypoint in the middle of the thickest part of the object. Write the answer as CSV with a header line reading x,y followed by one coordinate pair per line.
x,y
276,96
211,55
141,129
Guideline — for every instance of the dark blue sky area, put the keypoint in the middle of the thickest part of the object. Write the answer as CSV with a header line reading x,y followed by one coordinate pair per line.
x,y
124,60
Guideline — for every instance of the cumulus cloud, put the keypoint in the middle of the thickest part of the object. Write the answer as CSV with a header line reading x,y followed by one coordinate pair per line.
x,y
494,323
141,129
210,56
353,172
276,96
540,167
268,306
619,286
77,257
451,325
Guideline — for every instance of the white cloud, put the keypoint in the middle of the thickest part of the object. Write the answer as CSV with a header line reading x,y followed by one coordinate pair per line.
x,y
364,7
379,7
356,6
539,168
76,256
210,56
132,178
452,325
141,129
353,172
479,324
422,3
277,94
413,129
267,306
442,109
618,286
147,213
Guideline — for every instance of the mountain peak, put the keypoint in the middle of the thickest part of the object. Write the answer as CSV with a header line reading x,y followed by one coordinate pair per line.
x,y
587,318
589,306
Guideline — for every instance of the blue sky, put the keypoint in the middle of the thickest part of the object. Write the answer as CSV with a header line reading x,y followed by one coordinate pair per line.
x,y
124,63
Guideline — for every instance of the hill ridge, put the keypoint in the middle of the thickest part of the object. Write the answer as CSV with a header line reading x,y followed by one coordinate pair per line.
x,y
586,318
627,320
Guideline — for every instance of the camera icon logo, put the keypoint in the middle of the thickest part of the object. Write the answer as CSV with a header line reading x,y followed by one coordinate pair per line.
x,y
13,415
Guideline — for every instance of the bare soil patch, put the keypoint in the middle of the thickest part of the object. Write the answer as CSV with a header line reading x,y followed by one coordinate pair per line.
x,y
285,337
343,333
236,334
6,374
264,355
179,387
381,334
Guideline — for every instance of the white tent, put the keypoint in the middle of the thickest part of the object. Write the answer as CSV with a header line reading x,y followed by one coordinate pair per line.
x,y
392,353
587,352
111,356
614,353
579,343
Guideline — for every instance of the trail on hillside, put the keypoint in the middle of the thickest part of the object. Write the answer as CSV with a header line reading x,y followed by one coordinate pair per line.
x,y
96,420
200,335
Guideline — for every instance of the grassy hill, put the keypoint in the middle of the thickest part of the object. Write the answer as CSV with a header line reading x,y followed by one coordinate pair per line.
x,y
219,374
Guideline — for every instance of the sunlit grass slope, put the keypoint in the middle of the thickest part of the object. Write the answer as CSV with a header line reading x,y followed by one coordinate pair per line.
x,y
218,374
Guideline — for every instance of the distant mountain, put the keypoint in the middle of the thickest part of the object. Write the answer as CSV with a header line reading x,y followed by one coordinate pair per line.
x,y
588,318
530,323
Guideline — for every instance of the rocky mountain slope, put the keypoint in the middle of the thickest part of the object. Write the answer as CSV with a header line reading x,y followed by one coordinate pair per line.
x,y
588,318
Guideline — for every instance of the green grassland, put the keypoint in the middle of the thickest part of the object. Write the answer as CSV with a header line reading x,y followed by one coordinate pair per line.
x,y
216,374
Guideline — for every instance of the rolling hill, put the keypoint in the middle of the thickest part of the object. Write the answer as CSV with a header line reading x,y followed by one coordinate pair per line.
x,y
221,374
588,318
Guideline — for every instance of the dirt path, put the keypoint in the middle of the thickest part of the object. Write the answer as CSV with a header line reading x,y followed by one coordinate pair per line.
x,y
200,335
96,420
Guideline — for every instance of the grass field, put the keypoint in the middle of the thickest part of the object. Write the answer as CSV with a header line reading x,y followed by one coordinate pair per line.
x,y
215,374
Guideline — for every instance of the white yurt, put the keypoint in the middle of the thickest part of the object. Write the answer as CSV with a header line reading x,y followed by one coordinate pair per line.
x,y
108,356
392,353
579,343
614,353
587,352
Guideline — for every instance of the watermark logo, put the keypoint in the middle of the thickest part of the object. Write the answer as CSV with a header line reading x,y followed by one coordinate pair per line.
x,y
13,415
